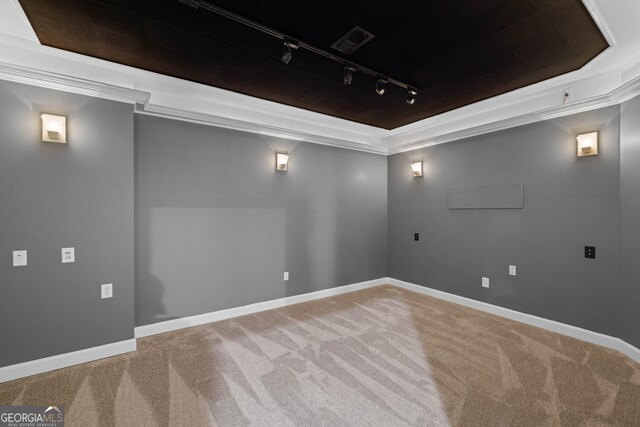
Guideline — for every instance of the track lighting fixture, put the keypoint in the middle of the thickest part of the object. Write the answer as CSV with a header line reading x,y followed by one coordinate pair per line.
x,y
380,84
348,75
286,50
290,44
286,54
411,98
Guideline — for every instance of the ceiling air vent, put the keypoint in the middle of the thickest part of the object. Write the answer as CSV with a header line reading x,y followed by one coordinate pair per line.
x,y
352,41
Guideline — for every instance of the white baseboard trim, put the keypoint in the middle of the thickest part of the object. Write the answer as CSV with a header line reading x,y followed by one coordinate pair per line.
x,y
200,319
52,363
59,361
628,350
529,319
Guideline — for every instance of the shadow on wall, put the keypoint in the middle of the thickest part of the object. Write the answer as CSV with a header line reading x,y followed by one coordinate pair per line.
x,y
297,235
218,225
333,223
153,306
209,243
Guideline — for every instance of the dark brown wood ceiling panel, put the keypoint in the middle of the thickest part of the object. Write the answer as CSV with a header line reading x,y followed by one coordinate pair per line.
x,y
455,52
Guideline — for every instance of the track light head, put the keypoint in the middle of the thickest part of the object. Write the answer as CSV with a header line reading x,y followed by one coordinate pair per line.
x,y
290,44
411,98
347,76
286,54
286,50
380,84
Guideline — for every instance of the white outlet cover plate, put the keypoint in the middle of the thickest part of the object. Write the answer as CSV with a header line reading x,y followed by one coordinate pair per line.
x,y
485,282
106,291
68,255
512,270
286,276
19,258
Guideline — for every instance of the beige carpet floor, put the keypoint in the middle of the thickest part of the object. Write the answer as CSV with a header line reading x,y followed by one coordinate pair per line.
x,y
382,356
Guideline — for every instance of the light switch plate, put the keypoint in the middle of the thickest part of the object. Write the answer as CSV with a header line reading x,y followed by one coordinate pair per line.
x,y
286,276
106,291
485,282
68,255
19,258
512,270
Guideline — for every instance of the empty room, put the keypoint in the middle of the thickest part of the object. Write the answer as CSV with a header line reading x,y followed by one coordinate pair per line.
x,y
338,213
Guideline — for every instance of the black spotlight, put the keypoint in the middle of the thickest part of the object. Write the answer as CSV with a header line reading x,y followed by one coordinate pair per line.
x,y
380,84
347,76
286,51
411,98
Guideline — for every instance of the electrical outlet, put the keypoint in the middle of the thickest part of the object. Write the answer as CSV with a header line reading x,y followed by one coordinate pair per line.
x,y
286,276
19,258
485,282
106,291
512,270
68,255
416,236
590,252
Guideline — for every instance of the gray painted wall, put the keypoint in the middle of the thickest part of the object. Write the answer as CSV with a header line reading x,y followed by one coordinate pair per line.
x,y
569,202
630,220
54,196
217,226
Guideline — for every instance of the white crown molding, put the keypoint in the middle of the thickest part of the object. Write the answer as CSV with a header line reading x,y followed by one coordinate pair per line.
x,y
600,22
59,361
261,129
31,76
598,84
83,86
372,144
16,22
621,94
625,92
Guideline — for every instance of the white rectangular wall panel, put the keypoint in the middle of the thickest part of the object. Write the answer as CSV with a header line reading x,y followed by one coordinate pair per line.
x,y
507,196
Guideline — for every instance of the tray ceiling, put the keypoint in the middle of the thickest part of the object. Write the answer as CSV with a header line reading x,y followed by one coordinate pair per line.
x,y
455,52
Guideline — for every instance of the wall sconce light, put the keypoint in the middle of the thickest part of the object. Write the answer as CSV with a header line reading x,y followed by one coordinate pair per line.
x,y
54,128
416,167
587,144
282,161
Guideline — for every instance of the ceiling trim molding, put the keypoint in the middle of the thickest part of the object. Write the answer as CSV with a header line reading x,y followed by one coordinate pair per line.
x,y
141,99
256,128
27,30
623,93
627,91
32,76
596,15
597,85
